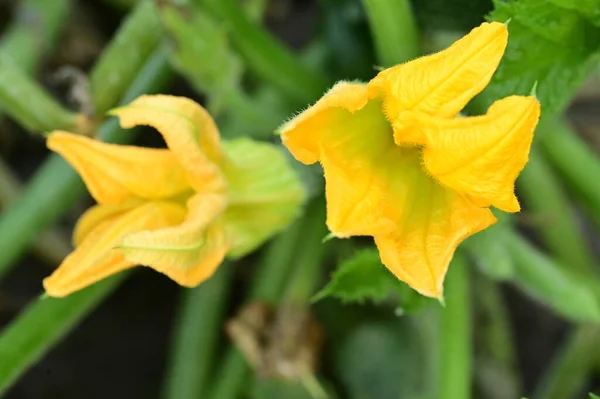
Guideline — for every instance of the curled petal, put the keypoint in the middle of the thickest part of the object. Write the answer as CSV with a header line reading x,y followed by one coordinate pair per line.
x,y
479,156
419,251
302,134
443,83
188,130
188,253
264,193
96,258
97,214
114,173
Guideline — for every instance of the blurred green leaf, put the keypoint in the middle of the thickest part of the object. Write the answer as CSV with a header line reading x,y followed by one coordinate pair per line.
x,y
592,396
362,277
278,388
588,8
381,361
550,45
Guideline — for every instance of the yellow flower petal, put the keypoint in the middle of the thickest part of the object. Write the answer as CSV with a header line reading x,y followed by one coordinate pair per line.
x,y
302,134
264,194
97,214
479,156
114,173
96,258
441,84
434,222
188,130
188,253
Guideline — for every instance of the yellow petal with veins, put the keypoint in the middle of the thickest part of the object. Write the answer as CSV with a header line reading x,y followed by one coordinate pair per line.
x,y
114,173
479,156
188,130
302,134
443,83
97,214
188,253
434,222
96,258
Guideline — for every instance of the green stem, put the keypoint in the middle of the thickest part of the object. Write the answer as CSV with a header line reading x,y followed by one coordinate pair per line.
x,y
42,324
497,350
267,285
121,60
50,244
308,265
546,199
577,163
194,343
34,32
56,186
31,106
456,351
570,370
394,30
268,58
540,276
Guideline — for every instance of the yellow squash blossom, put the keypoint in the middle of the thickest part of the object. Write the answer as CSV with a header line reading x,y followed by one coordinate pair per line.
x,y
179,210
402,166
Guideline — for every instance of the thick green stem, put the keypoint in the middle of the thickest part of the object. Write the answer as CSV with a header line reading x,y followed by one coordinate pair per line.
x,y
547,200
42,324
194,342
121,60
569,371
50,245
456,351
56,186
308,264
34,32
24,100
540,277
394,30
577,163
268,58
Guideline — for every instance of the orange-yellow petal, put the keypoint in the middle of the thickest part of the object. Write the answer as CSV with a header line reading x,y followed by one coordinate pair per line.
x,y
302,134
188,130
441,84
114,173
98,214
479,156
434,222
188,253
96,258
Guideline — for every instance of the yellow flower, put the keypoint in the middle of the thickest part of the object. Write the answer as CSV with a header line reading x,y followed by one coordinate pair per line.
x,y
179,210
401,166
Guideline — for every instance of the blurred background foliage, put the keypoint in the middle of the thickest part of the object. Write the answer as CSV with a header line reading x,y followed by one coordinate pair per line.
x,y
313,319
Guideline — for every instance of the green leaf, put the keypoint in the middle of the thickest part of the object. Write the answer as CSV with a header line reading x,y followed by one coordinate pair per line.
x,y
490,254
592,396
550,45
362,277
588,8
